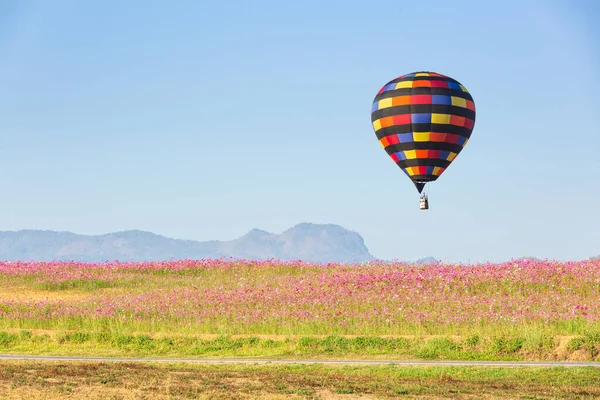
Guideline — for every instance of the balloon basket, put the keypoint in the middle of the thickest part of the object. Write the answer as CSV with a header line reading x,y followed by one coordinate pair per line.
x,y
424,203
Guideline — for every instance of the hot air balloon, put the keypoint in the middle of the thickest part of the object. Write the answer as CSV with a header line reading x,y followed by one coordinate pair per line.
x,y
423,120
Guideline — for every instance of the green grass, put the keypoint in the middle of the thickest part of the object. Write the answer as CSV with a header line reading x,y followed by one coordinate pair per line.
x,y
532,331
418,347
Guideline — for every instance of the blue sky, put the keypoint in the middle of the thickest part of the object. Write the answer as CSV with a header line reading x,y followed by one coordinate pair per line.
x,y
205,119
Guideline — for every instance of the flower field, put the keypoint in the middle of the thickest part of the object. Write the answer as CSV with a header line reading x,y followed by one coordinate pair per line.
x,y
296,298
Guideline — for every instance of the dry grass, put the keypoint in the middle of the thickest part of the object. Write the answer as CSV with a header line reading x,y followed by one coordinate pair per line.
x,y
26,294
60,380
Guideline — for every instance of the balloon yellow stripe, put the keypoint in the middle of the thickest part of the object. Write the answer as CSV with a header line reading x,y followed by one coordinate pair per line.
x,y
440,118
385,103
459,101
410,154
421,136
404,85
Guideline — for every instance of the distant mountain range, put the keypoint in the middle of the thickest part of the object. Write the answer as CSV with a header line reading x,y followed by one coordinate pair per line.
x,y
305,241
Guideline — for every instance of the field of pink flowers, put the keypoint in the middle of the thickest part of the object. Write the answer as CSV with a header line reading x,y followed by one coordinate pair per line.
x,y
275,297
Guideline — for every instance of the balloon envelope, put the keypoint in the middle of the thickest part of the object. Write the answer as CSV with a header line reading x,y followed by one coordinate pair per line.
x,y
423,120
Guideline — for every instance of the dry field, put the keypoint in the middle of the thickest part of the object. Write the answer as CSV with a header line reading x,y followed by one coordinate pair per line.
x,y
58,380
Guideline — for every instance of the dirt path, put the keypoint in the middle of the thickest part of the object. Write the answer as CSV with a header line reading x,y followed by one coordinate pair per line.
x,y
305,361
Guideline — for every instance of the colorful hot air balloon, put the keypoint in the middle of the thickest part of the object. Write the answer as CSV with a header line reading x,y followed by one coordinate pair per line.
x,y
423,120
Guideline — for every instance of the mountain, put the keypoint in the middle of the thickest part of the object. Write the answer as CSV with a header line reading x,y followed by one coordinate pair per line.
x,y
305,241
526,258
427,260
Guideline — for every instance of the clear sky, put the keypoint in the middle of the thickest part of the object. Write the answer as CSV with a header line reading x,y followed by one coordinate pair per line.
x,y
205,119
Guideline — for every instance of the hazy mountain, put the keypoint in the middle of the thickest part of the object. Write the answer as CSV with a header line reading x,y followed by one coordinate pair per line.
x,y
427,260
305,241
526,258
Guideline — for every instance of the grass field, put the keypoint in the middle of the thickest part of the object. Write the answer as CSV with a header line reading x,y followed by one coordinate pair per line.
x,y
531,310
58,380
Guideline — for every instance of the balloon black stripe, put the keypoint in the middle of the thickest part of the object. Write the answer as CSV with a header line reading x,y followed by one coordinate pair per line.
x,y
443,146
444,128
427,162
424,78
423,90
424,178
423,108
